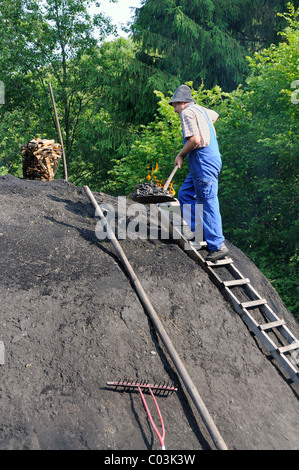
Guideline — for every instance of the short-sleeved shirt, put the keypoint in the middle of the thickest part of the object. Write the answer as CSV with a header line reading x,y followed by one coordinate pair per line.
x,y
194,122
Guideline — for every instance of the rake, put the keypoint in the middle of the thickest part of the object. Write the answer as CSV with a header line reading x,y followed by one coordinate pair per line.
x,y
161,389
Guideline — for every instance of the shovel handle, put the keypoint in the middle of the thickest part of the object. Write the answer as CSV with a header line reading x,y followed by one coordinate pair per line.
x,y
170,178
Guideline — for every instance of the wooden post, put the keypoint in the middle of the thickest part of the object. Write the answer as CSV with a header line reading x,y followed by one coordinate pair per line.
x,y
218,440
59,133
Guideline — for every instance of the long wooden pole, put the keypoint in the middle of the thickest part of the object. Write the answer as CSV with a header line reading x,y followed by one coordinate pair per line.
x,y
59,133
214,433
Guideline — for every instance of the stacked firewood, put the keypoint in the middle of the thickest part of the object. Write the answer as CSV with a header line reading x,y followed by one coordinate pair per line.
x,y
41,159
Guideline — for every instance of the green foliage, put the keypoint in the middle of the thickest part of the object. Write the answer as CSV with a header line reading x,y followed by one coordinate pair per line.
x,y
53,42
260,143
128,84
204,40
56,43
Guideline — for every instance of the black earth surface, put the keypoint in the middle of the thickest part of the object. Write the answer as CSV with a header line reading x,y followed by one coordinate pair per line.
x,y
70,321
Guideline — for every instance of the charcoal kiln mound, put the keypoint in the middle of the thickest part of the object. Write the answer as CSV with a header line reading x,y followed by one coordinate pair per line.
x,y
71,321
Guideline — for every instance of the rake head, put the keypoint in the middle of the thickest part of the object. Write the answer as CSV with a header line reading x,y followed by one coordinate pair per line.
x,y
162,389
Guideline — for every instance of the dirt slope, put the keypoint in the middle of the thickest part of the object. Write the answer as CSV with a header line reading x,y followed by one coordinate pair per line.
x,y
70,321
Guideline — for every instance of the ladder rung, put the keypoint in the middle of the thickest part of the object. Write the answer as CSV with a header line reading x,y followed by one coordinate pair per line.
x,y
289,347
270,325
198,244
236,282
179,223
253,303
220,262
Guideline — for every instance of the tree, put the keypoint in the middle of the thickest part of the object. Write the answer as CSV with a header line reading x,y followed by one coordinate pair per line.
x,y
55,41
203,40
102,92
259,139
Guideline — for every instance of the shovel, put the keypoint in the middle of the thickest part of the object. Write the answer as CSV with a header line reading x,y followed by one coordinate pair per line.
x,y
156,198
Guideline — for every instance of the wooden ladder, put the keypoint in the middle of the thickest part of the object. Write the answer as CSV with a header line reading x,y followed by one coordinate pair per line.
x,y
254,310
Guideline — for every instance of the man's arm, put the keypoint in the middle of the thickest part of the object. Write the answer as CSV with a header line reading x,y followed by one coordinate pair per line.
x,y
191,144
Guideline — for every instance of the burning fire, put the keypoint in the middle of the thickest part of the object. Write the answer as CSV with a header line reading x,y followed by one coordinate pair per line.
x,y
152,177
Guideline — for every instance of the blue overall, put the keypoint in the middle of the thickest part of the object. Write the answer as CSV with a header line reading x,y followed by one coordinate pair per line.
x,y
201,187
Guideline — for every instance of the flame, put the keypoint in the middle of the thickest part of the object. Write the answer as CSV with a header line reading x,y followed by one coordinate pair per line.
x,y
152,177
170,188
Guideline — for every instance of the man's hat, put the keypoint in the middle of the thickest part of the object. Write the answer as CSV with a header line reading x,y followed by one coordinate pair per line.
x,y
182,95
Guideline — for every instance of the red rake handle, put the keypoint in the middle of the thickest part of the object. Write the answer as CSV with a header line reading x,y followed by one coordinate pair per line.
x,y
160,437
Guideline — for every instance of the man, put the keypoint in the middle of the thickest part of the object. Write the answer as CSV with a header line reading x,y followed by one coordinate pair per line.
x,y
204,159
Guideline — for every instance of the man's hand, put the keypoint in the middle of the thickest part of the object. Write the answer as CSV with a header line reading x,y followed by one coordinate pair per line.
x,y
191,144
179,161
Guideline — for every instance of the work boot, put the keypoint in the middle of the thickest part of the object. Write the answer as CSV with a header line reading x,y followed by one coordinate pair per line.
x,y
218,254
